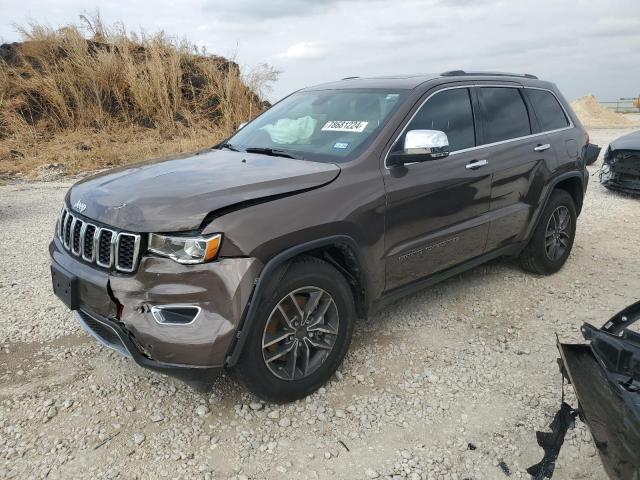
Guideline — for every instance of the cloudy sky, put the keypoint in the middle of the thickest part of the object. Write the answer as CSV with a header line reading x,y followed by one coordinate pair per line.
x,y
585,46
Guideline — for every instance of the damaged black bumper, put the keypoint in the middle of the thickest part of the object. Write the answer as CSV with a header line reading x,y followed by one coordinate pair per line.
x,y
113,335
621,171
605,375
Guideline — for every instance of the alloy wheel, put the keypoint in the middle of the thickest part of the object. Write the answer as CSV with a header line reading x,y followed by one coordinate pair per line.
x,y
300,333
558,233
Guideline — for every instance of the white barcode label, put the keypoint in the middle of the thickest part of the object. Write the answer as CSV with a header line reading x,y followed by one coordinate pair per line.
x,y
344,126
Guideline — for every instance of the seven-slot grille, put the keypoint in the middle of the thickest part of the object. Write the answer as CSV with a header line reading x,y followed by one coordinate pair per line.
x,y
103,246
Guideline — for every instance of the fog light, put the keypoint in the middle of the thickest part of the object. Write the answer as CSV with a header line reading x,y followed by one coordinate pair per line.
x,y
175,314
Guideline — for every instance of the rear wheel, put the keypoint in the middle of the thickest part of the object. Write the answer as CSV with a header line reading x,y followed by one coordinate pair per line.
x,y
301,334
553,237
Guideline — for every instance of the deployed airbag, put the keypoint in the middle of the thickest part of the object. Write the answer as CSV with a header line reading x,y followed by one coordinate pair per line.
x,y
288,131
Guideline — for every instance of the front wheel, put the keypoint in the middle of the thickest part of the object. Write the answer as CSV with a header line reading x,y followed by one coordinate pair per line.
x,y
552,240
301,334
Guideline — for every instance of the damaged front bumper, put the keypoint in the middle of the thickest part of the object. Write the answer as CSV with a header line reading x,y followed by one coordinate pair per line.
x,y
605,375
112,334
122,310
621,171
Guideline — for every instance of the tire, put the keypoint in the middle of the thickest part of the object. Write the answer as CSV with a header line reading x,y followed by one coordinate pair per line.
x,y
536,256
287,378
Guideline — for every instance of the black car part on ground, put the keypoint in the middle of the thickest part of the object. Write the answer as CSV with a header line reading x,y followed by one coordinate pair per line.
x,y
605,376
591,153
551,442
621,164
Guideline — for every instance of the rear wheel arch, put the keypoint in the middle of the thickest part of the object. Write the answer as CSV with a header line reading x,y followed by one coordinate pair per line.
x,y
550,245
574,187
340,251
570,182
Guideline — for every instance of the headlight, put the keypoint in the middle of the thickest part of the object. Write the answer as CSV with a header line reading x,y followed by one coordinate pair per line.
x,y
186,249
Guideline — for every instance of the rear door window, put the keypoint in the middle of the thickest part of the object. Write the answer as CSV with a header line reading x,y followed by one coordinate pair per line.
x,y
548,111
449,111
505,114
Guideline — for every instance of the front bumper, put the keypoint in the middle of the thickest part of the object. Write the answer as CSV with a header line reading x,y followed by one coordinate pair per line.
x,y
112,335
613,182
605,377
122,304
610,411
622,173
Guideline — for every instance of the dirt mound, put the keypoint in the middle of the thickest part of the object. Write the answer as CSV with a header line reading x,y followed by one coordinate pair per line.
x,y
66,81
593,114
109,86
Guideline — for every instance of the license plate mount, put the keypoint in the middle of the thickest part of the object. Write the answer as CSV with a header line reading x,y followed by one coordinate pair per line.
x,y
65,286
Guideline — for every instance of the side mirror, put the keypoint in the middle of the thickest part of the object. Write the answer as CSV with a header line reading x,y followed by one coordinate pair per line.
x,y
241,126
421,146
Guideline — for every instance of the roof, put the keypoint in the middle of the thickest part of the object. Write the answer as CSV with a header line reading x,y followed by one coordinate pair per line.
x,y
396,82
409,82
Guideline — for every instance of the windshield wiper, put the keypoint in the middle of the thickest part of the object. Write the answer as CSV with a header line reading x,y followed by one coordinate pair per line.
x,y
228,146
274,152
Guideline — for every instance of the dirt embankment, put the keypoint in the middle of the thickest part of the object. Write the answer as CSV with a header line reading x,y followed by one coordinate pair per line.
x,y
91,96
593,114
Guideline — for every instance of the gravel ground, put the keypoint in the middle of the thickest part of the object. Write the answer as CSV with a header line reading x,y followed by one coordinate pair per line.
x,y
450,383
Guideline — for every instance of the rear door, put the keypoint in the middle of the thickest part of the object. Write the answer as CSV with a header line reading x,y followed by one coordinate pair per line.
x,y
436,210
518,157
554,122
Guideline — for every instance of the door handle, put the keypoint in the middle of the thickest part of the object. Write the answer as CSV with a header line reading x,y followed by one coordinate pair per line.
x,y
542,148
476,164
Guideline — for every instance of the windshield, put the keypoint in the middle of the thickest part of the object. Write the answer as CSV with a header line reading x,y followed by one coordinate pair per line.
x,y
321,125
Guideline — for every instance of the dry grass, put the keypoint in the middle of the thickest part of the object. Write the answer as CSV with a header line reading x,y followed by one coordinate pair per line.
x,y
91,96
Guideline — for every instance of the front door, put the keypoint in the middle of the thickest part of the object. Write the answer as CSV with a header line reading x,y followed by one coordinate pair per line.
x,y
437,210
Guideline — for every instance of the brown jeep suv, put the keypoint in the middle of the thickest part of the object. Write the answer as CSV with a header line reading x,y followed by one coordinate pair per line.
x,y
259,254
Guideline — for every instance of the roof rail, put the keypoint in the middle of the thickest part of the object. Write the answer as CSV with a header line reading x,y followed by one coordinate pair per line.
x,y
460,73
348,78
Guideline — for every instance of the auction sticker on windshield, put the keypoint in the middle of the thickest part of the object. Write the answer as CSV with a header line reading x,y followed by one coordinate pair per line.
x,y
344,126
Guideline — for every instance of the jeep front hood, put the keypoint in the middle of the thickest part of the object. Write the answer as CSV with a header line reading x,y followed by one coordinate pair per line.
x,y
630,141
176,193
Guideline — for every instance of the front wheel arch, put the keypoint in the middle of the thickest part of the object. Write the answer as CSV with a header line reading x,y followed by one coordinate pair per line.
x,y
277,267
275,365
